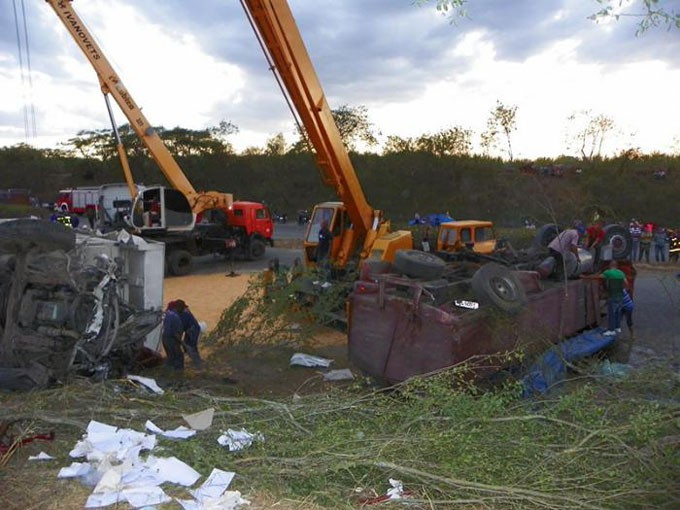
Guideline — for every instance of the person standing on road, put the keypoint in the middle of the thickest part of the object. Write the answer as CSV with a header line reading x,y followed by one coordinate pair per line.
x,y
172,338
645,243
192,330
635,230
565,242
660,244
615,283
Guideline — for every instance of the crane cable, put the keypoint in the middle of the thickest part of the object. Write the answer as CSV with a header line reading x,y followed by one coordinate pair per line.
x,y
26,72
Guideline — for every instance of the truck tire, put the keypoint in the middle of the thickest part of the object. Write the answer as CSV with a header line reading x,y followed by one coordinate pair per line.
x,y
620,239
24,233
256,249
180,263
545,235
496,285
419,264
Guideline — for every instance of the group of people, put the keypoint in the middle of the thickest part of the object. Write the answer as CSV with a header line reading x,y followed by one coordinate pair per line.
x,y
619,299
647,236
181,331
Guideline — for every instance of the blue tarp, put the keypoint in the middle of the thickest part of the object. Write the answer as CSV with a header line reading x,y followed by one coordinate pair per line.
x,y
551,366
434,220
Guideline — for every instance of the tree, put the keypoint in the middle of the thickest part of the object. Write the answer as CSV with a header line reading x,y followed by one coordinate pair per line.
x,y
276,145
396,144
502,121
353,125
453,141
590,132
649,12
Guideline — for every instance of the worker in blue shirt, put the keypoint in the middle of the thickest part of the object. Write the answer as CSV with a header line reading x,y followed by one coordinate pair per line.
x,y
172,337
192,330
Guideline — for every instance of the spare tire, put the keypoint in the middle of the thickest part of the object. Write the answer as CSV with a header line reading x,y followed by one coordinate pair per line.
x,y
496,285
419,264
23,234
545,235
620,240
179,263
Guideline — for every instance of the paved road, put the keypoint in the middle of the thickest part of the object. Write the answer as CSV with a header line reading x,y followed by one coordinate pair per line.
x,y
287,234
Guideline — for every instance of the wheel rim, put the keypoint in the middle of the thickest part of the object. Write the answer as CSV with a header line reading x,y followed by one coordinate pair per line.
x,y
503,288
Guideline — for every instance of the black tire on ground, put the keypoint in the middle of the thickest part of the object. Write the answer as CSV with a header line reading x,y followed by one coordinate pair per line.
x,y
496,285
256,249
179,262
545,235
23,234
419,264
620,239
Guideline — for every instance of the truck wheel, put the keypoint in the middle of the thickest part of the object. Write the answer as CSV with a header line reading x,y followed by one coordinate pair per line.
x,y
180,262
24,233
256,249
545,235
620,239
497,285
419,264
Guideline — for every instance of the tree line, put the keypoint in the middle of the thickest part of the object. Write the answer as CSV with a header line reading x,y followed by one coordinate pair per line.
x,y
399,183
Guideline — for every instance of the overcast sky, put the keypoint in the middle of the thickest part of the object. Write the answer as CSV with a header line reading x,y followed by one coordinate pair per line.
x,y
195,63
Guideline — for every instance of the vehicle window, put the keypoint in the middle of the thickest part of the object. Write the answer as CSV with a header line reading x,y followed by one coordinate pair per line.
x,y
238,212
261,214
465,235
448,236
483,234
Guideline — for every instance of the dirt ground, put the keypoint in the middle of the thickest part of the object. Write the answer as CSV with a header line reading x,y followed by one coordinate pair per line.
x,y
234,370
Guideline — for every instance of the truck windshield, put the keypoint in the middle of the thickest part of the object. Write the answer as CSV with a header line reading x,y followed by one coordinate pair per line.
x,y
320,215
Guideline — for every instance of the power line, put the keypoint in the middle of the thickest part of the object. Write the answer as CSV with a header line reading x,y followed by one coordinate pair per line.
x,y
25,72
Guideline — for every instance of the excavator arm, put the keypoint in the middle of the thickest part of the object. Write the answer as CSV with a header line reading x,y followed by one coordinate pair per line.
x,y
111,84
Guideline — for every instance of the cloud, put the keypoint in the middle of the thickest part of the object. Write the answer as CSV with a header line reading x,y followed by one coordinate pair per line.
x,y
196,63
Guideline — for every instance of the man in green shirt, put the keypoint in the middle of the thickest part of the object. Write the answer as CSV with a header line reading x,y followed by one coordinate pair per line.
x,y
615,283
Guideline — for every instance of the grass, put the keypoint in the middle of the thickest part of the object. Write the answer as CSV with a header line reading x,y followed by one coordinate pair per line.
x,y
606,443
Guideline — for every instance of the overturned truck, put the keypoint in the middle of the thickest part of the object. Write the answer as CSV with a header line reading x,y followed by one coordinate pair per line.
x,y
423,313
74,303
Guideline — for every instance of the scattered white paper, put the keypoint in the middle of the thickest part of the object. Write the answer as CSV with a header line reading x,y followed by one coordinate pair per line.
x,y
180,432
307,360
173,470
121,475
74,470
397,490
148,382
41,456
201,420
343,374
214,486
238,439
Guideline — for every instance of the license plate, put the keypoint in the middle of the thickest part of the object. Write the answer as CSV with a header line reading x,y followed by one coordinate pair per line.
x,y
471,305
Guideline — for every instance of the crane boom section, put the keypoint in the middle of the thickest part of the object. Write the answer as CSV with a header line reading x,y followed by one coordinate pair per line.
x,y
280,36
112,84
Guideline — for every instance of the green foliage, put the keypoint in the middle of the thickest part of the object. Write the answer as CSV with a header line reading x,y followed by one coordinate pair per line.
x,y
398,183
599,444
